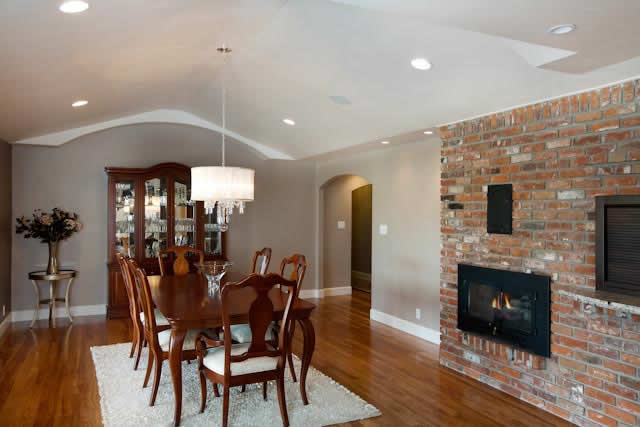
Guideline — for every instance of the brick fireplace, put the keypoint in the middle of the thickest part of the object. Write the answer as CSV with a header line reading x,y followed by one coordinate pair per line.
x,y
558,155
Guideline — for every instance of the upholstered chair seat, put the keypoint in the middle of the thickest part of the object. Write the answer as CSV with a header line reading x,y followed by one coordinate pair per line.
x,y
164,337
160,319
214,360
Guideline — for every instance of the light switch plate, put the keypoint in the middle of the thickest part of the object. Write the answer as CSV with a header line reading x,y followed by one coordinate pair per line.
x,y
341,225
384,229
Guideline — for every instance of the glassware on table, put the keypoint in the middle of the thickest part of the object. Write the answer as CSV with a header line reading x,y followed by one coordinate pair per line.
x,y
214,271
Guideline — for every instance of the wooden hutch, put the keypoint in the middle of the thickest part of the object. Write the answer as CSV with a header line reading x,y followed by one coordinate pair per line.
x,y
150,210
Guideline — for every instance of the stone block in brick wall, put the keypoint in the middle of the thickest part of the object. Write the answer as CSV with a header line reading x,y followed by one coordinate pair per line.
x,y
559,155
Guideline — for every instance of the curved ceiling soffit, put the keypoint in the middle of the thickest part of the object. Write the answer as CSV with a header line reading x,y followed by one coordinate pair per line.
x,y
157,116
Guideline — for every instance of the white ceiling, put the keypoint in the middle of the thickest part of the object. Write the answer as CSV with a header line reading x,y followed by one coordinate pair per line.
x,y
129,57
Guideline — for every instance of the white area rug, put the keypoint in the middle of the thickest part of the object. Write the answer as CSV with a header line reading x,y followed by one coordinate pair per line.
x,y
125,403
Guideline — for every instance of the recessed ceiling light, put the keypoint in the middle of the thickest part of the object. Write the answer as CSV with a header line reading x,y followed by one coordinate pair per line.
x,y
74,6
559,30
420,64
384,142
428,132
289,122
80,103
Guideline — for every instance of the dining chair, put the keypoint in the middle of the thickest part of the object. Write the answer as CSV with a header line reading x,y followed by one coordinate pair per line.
x,y
299,264
180,265
258,361
135,307
158,336
265,258
242,333
137,338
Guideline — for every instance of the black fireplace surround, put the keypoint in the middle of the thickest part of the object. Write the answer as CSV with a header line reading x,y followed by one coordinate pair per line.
x,y
506,306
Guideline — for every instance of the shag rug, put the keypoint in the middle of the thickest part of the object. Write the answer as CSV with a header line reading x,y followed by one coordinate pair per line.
x,y
125,403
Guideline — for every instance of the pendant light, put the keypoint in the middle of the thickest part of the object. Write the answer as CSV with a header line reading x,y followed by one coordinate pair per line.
x,y
222,188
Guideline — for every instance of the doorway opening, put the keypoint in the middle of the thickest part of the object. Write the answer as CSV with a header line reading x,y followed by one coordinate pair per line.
x,y
361,208
345,236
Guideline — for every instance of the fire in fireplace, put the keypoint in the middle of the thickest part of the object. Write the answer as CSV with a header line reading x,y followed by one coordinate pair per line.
x,y
507,306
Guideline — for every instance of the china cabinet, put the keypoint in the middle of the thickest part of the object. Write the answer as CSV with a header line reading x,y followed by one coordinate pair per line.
x,y
149,210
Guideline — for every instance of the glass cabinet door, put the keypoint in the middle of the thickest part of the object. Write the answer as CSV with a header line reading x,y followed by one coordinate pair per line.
x,y
212,235
155,216
184,215
125,218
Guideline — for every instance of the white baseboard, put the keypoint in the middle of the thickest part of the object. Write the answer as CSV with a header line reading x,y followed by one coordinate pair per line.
x,y
411,328
326,292
4,325
61,311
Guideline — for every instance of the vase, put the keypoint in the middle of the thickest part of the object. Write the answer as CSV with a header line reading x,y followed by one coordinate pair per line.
x,y
52,266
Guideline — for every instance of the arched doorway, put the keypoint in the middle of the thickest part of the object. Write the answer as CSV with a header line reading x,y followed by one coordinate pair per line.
x,y
345,235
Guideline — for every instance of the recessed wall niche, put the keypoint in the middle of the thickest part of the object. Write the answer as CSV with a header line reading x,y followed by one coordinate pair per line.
x,y
500,209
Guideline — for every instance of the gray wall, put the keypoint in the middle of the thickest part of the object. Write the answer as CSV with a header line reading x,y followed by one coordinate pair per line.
x,y
5,227
336,196
72,177
406,262
287,214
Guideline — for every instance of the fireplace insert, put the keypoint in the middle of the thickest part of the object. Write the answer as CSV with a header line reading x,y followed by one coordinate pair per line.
x,y
506,306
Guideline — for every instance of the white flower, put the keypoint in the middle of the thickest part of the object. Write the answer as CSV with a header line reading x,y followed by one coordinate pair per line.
x,y
46,219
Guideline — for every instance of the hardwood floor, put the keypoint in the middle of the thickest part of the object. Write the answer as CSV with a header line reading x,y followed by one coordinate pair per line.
x,y
47,376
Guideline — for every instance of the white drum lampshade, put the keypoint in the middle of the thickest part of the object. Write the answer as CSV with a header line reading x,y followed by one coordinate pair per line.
x,y
222,183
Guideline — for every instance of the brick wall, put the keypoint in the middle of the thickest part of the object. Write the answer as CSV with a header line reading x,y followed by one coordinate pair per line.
x,y
558,155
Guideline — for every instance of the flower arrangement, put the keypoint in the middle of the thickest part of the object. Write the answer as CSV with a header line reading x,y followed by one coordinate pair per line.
x,y
49,227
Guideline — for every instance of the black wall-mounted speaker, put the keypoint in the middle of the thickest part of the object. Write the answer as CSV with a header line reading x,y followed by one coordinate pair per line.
x,y
500,209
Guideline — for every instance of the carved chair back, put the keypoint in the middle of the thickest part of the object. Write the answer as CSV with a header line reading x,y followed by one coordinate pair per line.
x,y
146,301
299,264
127,278
265,259
260,317
180,265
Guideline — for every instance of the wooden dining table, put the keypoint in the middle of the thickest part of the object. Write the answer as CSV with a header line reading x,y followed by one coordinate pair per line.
x,y
187,303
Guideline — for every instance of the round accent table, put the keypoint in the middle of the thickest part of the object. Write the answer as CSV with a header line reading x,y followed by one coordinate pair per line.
x,y
53,279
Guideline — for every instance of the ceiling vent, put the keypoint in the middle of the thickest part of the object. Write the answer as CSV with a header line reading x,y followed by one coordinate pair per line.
x,y
340,100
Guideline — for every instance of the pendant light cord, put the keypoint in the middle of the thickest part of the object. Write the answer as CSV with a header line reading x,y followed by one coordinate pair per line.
x,y
224,122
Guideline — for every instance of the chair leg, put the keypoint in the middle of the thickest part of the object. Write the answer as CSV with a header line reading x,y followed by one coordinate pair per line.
x,y
156,380
149,366
225,406
203,391
292,330
244,387
264,390
139,352
290,361
282,401
216,393
134,342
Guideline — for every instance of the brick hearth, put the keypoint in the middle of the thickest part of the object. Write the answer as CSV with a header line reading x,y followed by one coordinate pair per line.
x,y
559,155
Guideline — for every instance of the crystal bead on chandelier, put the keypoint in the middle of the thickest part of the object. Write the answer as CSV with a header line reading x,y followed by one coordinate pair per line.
x,y
222,188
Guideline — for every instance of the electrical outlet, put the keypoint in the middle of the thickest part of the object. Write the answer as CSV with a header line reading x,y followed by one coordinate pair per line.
x,y
418,313
383,229
341,225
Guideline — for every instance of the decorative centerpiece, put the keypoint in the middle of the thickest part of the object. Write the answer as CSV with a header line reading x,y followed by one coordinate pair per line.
x,y
50,228
214,271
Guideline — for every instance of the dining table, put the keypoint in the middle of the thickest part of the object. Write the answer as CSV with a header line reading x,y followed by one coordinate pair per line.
x,y
188,303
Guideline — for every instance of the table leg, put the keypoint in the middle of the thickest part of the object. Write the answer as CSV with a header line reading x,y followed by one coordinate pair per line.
x,y
52,302
37,309
307,354
175,356
66,299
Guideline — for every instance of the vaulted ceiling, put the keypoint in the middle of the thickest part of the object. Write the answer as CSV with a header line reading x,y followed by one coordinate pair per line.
x,y
339,68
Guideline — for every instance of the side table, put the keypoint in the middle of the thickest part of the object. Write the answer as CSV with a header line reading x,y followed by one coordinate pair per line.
x,y
53,279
